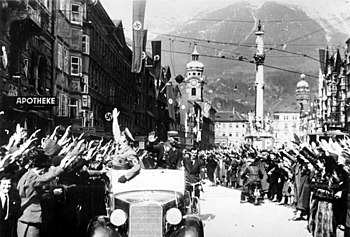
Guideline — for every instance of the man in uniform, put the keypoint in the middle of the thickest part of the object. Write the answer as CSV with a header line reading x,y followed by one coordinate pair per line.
x,y
125,158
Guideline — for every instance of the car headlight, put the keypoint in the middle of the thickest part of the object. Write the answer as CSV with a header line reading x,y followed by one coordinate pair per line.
x,y
118,217
173,216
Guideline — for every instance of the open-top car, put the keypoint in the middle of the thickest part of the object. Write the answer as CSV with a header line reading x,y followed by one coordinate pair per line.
x,y
152,204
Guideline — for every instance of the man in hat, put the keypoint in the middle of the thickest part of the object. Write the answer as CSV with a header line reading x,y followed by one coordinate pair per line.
x,y
31,189
9,206
174,158
163,150
125,158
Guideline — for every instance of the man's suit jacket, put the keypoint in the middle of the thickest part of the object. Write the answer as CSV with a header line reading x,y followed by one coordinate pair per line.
x,y
192,171
7,226
30,188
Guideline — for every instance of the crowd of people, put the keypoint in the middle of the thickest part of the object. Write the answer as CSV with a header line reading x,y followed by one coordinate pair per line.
x,y
311,178
53,184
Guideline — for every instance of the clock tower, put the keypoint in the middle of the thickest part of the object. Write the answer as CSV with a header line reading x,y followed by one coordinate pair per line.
x,y
194,81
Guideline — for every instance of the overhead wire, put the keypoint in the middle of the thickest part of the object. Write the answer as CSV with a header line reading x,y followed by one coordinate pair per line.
x,y
236,44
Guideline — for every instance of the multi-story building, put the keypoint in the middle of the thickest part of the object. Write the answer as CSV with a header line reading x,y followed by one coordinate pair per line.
x,y
347,86
70,61
286,123
334,91
70,50
26,70
230,128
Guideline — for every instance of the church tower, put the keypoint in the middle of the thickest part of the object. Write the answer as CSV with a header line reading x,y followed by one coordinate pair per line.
x,y
303,94
194,81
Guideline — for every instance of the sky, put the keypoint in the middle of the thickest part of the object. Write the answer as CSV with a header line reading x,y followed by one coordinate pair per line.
x,y
160,14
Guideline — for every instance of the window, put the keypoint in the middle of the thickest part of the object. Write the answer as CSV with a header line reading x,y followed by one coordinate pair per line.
x,y
66,63
86,44
75,66
59,57
86,101
85,84
193,91
74,108
76,14
63,105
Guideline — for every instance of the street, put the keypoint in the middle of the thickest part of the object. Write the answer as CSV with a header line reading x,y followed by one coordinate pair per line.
x,y
224,216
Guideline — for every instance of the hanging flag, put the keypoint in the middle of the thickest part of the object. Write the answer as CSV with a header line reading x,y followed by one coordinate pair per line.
x,y
327,62
322,55
157,63
337,63
137,29
144,44
170,100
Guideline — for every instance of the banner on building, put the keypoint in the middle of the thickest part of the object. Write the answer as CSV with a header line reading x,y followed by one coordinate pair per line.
x,y
322,55
144,45
139,7
157,63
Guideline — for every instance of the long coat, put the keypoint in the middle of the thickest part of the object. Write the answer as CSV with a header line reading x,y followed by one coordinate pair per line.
x,y
302,179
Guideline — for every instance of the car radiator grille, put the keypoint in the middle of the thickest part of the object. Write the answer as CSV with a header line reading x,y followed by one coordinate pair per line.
x,y
145,220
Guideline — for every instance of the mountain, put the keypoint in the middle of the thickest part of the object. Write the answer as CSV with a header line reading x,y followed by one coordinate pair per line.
x,y
226,43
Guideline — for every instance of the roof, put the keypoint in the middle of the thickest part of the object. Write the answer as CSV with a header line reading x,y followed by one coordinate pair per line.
x,y
195,65
230,116
286,105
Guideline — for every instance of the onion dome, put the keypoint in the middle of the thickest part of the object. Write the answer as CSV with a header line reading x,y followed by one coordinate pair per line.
x,y
302,84
195,64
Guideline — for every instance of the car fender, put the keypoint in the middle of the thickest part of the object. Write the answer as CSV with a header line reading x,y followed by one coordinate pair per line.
x,y
101,226
190,226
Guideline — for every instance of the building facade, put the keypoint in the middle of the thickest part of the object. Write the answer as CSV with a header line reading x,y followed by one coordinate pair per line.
x,y
70,50
26,68
230,128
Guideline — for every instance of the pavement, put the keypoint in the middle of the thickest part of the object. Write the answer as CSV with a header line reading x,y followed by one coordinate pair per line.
x,y
224,216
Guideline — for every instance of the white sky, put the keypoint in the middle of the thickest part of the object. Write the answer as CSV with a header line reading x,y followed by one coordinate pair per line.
x,y
165,11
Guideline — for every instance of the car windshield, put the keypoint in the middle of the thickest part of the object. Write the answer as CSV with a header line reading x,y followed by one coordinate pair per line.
x,y
146,180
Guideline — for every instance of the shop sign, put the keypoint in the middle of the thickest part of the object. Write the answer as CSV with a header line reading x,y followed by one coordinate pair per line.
x,y
31,101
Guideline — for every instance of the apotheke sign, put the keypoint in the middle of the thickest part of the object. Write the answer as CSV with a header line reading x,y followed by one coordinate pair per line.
x,y
32,101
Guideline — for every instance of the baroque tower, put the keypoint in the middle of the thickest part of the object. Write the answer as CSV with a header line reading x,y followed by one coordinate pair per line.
x,y
194,81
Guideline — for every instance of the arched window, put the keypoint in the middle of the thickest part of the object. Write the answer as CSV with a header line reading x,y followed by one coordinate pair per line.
x,y
193,91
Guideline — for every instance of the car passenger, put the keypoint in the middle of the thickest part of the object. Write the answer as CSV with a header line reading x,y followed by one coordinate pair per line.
x,y
125,158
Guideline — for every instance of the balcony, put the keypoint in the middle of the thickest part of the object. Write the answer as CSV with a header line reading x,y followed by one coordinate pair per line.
x,y
33,17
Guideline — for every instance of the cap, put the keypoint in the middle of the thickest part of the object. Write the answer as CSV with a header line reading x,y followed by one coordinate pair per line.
x,y
128,134
39,159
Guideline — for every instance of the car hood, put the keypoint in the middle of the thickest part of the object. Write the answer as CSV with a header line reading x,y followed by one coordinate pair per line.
x,y
159,196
